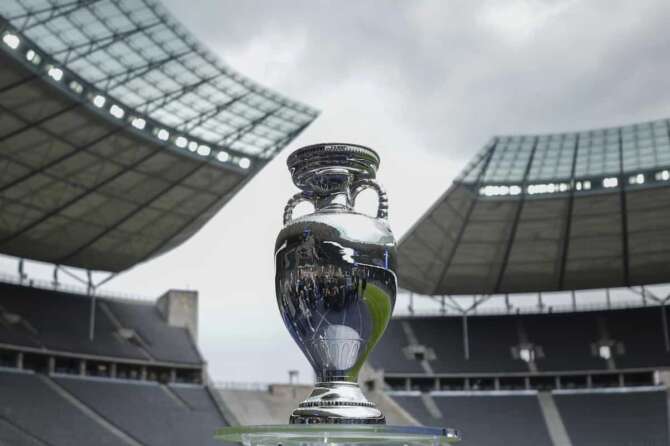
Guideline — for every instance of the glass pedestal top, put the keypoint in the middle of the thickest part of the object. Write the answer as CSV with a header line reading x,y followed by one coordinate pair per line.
x,y
337,434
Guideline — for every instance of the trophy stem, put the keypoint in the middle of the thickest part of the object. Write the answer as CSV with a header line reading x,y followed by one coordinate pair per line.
x,y
337,402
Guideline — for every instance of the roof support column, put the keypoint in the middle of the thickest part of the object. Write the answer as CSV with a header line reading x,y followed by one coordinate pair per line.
x,y
461,230
664,320
517,217
90,292
624,215
568,221
466,337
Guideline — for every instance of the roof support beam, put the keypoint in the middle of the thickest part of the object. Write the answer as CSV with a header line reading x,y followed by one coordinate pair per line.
x,y
139,208
162,100
99,44
39,122
517,217
624,215
461,230
567,229
196,121
77,198
236,135
60,159
55,11
130,74
18,83
215,202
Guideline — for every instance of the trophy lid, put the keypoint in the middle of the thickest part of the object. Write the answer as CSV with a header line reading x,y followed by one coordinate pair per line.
x,y
335,165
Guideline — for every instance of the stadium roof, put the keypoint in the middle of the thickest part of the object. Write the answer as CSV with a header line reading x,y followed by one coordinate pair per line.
x,y
120,135
567,211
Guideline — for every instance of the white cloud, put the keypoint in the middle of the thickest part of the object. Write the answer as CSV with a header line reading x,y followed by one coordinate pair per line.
x,y
517,21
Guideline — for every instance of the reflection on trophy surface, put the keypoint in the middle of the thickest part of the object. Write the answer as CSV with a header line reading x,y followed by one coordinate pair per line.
x,y
335,280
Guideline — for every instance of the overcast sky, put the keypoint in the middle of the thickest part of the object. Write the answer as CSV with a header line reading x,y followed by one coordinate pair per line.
x,y
425,83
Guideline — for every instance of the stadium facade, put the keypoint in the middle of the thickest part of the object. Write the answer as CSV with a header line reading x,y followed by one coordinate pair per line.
x,y
120,137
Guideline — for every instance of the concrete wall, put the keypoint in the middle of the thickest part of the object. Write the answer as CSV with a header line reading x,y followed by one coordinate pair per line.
x,y
180,309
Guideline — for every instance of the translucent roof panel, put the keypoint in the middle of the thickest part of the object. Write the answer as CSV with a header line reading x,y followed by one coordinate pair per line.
x,y
509,159
598,153
139,54
562,156
645,145
553,157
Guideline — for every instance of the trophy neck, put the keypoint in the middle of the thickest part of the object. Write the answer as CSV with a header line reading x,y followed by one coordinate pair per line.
x,y
336,201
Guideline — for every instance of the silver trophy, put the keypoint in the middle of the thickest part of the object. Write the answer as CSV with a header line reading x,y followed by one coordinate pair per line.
x,y
335,279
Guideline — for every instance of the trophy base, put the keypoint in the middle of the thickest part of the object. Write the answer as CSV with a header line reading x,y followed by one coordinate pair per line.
x,y
291,435
337,402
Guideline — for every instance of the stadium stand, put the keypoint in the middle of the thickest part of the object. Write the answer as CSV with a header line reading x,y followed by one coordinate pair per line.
x,y
563,213
597,418
634,338
59,322
483,419
140,380
613,418
172,419
32,409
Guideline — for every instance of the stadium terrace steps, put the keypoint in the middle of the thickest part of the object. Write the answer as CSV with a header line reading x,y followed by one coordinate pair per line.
x,y
13,435
59,321
485,420
165,343
552,417
615,418
147,413
31,405
395,414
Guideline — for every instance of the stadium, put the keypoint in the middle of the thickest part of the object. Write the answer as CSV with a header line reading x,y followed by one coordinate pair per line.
x,y
536,282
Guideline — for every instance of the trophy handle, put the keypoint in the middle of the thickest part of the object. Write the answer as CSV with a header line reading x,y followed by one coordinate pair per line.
x,y
360,185
292,203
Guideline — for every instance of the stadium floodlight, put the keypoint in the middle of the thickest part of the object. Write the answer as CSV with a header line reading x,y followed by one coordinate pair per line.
x,y
605,352
610,182
11,40
181,142
116,111
139,123
244,163
163,134
204,150
76,87
99,100
193,146
55,73
223,156
32,56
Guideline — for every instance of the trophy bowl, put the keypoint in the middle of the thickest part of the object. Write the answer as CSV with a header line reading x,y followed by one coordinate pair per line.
x,y
335,282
